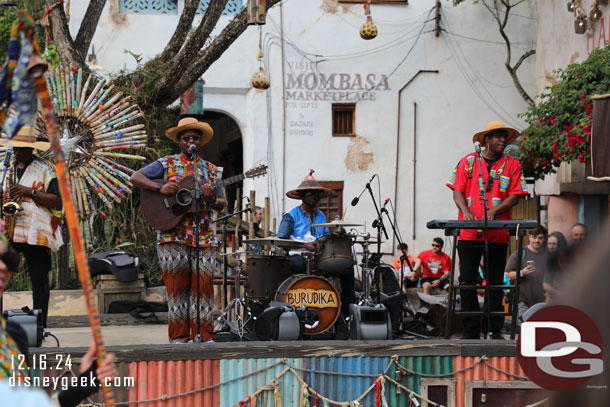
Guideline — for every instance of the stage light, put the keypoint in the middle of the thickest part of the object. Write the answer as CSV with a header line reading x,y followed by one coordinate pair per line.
x,y
572,6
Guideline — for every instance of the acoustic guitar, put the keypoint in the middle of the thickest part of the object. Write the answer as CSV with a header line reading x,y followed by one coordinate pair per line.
x,y
164,212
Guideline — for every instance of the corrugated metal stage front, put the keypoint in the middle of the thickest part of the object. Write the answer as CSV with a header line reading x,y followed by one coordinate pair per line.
x,y
274,374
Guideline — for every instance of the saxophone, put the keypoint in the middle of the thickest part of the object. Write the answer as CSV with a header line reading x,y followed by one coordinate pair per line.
x,y
10,208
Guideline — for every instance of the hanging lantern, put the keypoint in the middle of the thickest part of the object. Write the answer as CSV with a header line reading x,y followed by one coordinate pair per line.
x,y
596,13
260,80
368,31
572,6
256,13
580,25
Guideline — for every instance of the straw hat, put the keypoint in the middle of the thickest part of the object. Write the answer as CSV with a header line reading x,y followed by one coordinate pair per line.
x,y
512,134
308,184
189,123
28,137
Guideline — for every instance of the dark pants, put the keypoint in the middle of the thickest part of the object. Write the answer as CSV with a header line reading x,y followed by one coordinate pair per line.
x,y
470,255
298,265
38,260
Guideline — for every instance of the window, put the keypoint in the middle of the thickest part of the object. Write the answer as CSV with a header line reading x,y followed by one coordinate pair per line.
x,y
501,393
332,206
233,7
441,391
344,120
148,6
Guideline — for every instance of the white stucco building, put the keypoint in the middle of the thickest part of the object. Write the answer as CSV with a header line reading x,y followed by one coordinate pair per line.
x,y
417,98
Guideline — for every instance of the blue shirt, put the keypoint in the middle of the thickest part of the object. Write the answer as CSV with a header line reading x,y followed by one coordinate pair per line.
x,y
297,222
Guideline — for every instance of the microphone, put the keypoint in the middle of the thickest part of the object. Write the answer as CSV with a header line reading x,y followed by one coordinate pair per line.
x,y
477,147
356,199
193,148
7,155
383,209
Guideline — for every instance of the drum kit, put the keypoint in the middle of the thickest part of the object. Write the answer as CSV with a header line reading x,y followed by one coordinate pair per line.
x,y
313,295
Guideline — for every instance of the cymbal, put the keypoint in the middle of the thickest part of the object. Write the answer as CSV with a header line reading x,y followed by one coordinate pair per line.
x,y
275,241
337,223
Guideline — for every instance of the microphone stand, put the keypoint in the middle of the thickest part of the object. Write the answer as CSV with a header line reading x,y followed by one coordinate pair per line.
x,y
377,223
198,338
403,259
483,191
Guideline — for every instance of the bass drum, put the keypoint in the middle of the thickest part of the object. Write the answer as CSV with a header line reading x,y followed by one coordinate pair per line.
x,y
318,295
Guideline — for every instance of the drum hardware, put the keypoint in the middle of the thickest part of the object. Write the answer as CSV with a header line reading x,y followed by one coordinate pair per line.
x,y
232,315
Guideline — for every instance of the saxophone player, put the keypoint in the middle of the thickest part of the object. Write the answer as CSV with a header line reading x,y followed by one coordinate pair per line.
x,y
34,230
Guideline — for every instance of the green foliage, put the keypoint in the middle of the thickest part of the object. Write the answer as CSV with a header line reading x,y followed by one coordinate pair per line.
x,y
559,127
8,17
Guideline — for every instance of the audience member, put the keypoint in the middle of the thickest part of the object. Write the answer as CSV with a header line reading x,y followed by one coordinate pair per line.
x,y
435,267
533,266
258,218
410,275
579,233
557,252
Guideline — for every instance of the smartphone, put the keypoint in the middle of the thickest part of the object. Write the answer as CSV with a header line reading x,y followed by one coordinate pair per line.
x,y
530,262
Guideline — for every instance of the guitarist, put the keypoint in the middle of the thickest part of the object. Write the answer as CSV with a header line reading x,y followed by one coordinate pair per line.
x,y
176,246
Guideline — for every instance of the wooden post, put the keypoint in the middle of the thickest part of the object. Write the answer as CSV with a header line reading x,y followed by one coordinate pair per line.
x,y
251,215
437,18
274,226
266,214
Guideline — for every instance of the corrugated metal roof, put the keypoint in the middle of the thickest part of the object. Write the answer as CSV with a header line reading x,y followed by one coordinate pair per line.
x,y
483,372
420,364
240,389
155,379
345,387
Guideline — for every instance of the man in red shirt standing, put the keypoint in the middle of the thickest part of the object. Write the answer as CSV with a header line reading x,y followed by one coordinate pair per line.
x,y
435,266
503,183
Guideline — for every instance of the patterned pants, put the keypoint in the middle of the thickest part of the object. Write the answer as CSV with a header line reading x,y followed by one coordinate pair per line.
x,y
181,285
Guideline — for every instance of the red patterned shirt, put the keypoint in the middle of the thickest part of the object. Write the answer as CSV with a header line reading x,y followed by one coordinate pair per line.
x,y
503,180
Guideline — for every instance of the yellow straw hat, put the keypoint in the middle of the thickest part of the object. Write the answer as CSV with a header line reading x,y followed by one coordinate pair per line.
x,y
189,123
512,134
28,137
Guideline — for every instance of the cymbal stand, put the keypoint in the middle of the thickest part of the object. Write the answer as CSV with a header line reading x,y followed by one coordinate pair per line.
x,y
365,296
232,315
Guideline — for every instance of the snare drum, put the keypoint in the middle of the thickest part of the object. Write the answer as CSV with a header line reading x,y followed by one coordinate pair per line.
x,y
265,273
317,294
333,254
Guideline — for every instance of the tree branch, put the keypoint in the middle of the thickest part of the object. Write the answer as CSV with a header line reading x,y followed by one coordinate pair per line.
x,y
184,58
182,30
88,27
196,67
523,58
61,35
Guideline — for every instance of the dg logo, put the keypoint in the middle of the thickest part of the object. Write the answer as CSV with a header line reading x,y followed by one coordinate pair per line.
x,y
560,348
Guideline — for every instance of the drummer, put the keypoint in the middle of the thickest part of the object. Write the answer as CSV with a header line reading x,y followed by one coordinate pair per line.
x,y
296,225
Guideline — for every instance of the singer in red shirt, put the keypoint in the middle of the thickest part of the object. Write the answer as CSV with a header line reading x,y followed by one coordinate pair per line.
x,y
503,184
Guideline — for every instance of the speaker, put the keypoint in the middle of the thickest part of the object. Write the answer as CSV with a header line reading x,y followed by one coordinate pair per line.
x,y
280,322
30,321
369,322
